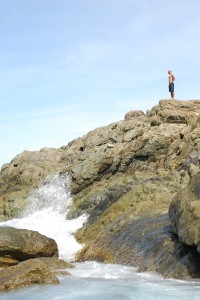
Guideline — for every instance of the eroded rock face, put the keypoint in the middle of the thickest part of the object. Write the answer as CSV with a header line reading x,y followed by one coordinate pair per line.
x,y
146,242
184,213
21,244
135,230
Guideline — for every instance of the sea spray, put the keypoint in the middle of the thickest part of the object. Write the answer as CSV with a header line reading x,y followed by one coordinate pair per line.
x,y
54,195
46,213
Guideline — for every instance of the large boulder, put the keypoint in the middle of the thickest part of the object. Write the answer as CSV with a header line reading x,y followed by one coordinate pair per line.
x,y
26,273
21,244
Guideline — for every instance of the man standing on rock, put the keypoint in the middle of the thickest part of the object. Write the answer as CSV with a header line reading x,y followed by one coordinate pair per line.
x,y
171,83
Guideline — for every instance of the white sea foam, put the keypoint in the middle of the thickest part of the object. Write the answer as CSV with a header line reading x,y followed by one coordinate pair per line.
x,y
46,214
93,269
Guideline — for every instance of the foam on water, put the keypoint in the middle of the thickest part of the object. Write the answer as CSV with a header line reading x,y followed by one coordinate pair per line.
x,y
93,269
46,214
97,281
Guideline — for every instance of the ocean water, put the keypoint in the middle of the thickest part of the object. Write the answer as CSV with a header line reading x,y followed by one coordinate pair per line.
x,y
89,280
96,281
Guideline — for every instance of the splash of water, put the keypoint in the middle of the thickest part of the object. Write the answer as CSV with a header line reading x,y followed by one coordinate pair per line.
x,y
54,195
46,214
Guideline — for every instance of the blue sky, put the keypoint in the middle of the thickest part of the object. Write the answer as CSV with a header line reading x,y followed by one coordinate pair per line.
x,y
69,66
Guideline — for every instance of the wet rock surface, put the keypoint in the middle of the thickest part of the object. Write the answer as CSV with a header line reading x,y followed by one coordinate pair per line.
x,y
21,244
184,213
148,243
26,273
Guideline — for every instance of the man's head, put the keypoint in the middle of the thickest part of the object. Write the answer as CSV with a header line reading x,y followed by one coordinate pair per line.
x,y
169,71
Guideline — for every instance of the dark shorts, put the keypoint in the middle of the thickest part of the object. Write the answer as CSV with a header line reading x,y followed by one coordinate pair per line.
x,y
171,87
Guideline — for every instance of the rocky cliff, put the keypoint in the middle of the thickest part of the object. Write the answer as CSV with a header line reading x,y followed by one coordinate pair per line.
x,y
124,176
